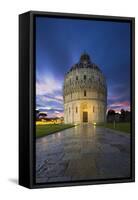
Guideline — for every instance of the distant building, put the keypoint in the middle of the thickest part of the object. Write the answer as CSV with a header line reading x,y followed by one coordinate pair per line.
x,y
55,120
85,93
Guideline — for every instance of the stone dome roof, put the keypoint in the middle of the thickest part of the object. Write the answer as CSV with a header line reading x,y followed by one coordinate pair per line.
x,y
85,62
84,75
85,58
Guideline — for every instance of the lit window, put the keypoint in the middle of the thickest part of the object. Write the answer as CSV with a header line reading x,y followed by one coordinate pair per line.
x,y
85,93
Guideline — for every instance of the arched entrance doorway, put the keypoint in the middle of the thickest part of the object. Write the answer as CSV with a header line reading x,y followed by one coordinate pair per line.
x,y
84,111
85,116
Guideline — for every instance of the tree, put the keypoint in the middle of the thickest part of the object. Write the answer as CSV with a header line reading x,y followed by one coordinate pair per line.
x,y
111,115
122,116
127,117
37,114
42,115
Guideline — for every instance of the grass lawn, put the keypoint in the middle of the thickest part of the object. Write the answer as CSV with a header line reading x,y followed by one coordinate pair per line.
x,y
43,130
120,126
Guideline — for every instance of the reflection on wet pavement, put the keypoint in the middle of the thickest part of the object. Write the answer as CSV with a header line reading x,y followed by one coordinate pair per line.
x,y
81,153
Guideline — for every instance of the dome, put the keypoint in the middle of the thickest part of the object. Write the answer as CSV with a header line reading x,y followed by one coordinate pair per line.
x,y
84,62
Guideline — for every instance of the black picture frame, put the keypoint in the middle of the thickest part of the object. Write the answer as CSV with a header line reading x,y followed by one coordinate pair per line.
x,y
27,98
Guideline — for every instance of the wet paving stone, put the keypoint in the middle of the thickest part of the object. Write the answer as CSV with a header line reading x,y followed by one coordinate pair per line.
x,y
82,153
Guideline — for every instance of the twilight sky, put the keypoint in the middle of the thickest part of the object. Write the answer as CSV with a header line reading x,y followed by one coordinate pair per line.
x,y
59,44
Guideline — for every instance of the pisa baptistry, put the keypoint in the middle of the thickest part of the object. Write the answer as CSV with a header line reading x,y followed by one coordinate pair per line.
x,y
85,93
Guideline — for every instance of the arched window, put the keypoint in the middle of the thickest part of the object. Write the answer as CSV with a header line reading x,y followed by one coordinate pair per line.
x,y
93,108
84,77
76,109
85,93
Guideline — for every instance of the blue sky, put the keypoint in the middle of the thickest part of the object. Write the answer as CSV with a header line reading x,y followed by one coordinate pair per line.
x,y
59,44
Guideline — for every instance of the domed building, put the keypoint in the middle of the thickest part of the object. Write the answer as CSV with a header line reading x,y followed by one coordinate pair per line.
x,y
85,93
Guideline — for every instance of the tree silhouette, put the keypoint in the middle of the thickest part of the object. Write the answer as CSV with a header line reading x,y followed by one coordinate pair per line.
x,y
42,115
111,115
124,116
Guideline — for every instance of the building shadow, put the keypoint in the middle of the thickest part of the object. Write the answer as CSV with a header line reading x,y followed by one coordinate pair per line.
x,y
13,180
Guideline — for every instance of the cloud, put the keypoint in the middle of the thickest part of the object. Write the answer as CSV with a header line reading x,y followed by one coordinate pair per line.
x,y
49,97
118,96
59,97
52,104
51,111
117,106
47,85
46,100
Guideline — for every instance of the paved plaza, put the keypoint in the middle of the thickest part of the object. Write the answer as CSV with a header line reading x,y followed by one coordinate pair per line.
x,y
83,152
